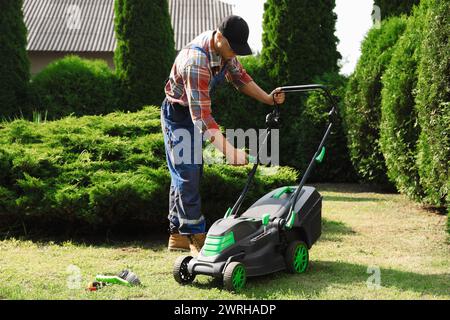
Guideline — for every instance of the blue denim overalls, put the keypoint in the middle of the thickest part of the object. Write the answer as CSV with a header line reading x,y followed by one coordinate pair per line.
x,y
185,214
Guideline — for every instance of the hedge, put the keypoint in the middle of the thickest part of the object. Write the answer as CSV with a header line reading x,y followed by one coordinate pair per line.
x,y
14,66
77,86
362,107
433,105
82,175
399,130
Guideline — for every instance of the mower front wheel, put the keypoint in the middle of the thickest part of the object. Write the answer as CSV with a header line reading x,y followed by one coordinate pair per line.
x,y
297,257
180,270
234,276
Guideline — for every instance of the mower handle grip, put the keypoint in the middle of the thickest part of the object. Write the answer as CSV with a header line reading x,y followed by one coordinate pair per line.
x,y
308,88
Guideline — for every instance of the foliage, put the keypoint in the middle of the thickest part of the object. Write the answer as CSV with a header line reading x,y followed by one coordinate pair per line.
x,y
75,86
145,50
362,106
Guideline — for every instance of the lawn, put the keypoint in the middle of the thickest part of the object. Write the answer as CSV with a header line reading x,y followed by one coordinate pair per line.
x,y
365,235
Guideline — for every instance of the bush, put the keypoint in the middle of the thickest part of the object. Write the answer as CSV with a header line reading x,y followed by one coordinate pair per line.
x,y
399,130
362,107
75,86
433,105
14,66
104,172
310,129
145,50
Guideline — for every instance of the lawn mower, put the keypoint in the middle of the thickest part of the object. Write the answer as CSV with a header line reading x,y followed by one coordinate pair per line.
x,y
274,234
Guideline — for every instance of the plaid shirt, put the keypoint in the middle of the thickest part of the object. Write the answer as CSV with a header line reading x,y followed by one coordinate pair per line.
x,y
191,75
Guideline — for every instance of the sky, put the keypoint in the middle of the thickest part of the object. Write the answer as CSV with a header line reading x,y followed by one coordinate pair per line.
x,y
354,20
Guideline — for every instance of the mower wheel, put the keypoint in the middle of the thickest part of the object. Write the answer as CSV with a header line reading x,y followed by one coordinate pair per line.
x,y
296,257
234,276
180,270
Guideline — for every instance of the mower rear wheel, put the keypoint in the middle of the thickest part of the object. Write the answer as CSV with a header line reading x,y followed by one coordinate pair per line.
x,y
296,257
180,270
234,276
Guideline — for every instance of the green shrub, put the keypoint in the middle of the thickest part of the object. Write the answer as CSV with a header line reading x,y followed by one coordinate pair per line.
x,y
75,86
362,107
14,66
104,172
399,130
145,50
433,105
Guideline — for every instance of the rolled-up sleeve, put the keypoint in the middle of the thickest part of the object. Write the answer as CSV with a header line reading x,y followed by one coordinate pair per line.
x,y
196,82
236,74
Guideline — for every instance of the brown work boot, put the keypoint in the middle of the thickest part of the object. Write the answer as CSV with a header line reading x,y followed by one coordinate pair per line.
x,y
178,242
196,243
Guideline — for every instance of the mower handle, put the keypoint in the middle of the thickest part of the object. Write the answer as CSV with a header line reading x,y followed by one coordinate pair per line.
x,y
319,153
311,87
272,120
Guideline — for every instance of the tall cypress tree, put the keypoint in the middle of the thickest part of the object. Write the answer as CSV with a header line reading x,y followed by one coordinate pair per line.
x,y
299,46
145,49
298,40
391,8
433,106
14,66
361,109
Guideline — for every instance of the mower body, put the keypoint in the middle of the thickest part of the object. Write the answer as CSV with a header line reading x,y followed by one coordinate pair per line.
x,y
260,246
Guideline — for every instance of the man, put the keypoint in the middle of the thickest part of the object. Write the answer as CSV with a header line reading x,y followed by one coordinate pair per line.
x,y
198,69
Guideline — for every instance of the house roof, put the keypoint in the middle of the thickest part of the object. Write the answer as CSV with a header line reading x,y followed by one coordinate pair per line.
x,y
88,25
192,17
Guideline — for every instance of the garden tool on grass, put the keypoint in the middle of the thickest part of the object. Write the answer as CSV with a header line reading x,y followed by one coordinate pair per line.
x,y
125,277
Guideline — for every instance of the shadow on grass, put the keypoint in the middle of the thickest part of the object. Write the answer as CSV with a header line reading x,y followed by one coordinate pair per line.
x,y
325,274
151,241
354,188
333,230
350,199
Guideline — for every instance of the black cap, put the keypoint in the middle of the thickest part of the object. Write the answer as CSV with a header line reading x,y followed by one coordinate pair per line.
x,y
236,31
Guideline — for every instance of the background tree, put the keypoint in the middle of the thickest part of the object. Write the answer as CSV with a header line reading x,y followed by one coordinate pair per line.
x,y
14,66
362,106
145,49
433,105
299,46
399,130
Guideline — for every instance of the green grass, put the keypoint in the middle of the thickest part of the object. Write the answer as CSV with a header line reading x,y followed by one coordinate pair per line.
x,y
361,229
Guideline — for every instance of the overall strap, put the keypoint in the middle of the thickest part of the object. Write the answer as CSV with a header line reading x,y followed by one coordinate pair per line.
x,y
201,50
219,77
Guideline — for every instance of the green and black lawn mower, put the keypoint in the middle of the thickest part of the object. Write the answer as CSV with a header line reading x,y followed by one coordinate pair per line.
x,y
274,234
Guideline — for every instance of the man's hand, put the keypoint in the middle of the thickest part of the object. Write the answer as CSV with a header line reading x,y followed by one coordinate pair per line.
x,y
237,157
277,95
